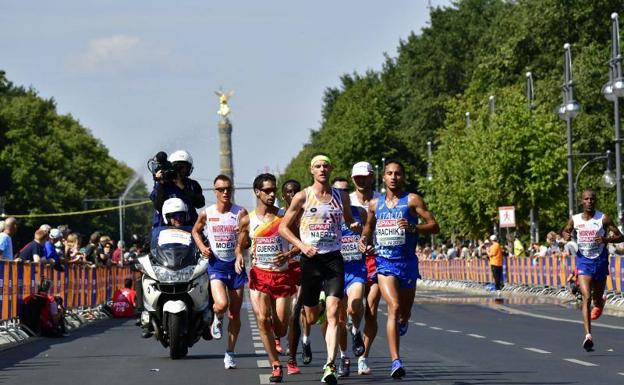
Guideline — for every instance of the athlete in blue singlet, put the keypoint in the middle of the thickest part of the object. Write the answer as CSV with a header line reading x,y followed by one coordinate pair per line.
x,y
590,229
394,219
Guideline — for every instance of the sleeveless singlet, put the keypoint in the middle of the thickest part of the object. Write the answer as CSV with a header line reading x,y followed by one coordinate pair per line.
x,y
391,241
320,222
266,242
221,231
586,232
350,239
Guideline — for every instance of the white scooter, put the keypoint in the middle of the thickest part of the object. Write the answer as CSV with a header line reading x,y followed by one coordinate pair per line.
x,y
176,292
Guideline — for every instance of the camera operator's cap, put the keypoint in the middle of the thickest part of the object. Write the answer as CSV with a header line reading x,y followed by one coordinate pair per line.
x,y
56,234
362,169
493,237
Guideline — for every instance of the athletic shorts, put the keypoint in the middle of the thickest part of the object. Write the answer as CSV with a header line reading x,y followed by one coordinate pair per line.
x,y
322,272
354,272
597,268
405,270
231,279
295,272
277,284
371,269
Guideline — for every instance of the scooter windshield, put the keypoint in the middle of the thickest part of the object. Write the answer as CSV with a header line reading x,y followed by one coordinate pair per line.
x,y
174,249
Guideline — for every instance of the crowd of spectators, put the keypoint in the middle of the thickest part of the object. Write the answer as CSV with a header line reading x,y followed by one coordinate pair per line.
x,y
61,246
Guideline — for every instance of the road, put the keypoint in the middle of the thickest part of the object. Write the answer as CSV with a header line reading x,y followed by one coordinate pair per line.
x,y
454,338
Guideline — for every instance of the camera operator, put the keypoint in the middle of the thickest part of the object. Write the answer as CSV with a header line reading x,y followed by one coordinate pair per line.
x,y
171,176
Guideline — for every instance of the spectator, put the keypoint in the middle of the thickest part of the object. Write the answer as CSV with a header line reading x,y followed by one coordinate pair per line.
x,y
90,251
43,313
6,244
518,248
124,300
552,244
451,252
53,244
495,255
72,249
465,252
33,251
105,256
118,253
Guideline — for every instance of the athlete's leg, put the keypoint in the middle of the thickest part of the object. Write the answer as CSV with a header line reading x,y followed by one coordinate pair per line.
x,y
406,300
261,304
220,297
355,308
281,315
585,284
373,296
342,326
234,322
598,289
294,332
389,287
331,336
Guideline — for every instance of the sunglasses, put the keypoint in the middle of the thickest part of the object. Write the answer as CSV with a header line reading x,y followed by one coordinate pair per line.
x,y
224,189
177,216
268,190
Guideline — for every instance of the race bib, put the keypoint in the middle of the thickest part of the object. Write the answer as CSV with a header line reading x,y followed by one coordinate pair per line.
x,y
224,246
323,235
349,248
169,236
388,233
267,249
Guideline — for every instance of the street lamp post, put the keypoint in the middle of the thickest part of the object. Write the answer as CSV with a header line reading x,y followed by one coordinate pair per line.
x,y
492,103
377,178
429,162
567,111
467,119
608,178
530,94
613,90
383,171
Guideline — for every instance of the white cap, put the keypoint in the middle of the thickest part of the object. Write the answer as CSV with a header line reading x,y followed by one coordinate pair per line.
x,y
55,234
362,169
493,237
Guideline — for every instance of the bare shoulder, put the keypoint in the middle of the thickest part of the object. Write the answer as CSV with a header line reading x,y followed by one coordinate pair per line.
x,y
415,200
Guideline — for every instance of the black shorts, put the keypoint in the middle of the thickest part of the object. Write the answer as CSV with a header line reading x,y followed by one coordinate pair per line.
x,y
322,272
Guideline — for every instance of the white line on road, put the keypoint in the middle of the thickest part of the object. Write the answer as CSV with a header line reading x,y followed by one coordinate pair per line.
x,y
420,324
476,335
264,379
503,342
453,331
258,345
255,338
621,373
263,363
435,328
536,350
263,352
584,363
520,312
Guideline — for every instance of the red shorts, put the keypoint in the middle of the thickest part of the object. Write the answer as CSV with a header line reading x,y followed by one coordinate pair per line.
x,y
295,273
371,269
277,284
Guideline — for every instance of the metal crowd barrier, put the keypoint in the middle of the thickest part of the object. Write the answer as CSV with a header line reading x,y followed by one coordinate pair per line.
x,y
541,272
78,285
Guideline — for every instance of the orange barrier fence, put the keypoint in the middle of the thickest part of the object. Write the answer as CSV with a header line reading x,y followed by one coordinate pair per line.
x,y
78,285
543,271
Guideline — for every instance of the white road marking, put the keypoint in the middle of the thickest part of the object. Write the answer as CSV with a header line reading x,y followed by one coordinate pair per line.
x,y
621,373
258,345
264,379
263,363
435,328
584,363
536,350
520,312
476,335
420,324
453,331
503,342
263,352
255,338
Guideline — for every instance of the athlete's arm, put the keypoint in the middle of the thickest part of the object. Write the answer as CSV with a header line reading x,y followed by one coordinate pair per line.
x,y
346,213
290,220
363,216
197,234
616,236
566,233
242,240
418,208
371,220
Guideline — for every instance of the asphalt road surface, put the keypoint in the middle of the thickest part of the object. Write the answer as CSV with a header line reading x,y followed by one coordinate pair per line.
x,y
453,338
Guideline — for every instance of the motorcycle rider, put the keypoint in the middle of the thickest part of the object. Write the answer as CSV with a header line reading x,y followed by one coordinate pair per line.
x,y
181,186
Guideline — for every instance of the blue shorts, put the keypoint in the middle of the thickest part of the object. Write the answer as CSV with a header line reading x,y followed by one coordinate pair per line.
x,y
354,272
597,268
231,279
405,270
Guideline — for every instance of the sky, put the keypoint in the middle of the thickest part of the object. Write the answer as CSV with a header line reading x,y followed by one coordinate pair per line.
x,y
141,75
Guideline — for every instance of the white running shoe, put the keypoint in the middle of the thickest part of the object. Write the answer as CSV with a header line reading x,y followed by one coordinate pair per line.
x,y
228,360
217,328
363,367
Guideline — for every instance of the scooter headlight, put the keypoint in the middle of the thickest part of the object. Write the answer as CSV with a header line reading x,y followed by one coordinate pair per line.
x,y
166,275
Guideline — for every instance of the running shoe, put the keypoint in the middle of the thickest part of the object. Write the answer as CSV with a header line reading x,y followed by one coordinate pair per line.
x,y
403,328
363,368
596,312
228,360
397,370
217,328
357,343
292,367
344,368
276,374
278,346
329,374
306,353
588,343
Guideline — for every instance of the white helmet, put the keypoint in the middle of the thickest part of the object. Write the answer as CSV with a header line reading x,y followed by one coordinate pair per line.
x,y
181,156
174,205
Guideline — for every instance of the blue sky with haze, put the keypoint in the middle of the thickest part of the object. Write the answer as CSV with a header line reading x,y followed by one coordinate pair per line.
x,y
141,74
